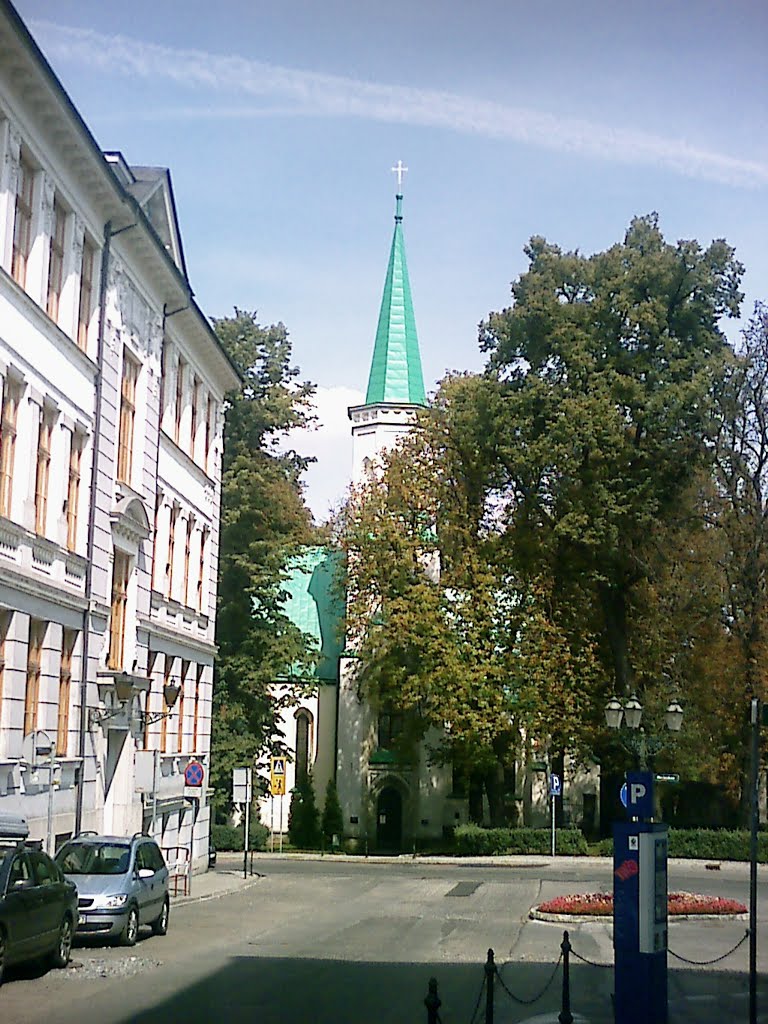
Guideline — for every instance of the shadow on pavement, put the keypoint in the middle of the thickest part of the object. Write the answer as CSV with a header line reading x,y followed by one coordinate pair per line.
x,y
293,991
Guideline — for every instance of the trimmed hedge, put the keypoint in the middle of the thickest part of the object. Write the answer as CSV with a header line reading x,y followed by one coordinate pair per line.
x,y
476,841
229,838
706,844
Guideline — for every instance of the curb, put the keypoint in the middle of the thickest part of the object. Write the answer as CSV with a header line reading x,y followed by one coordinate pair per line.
x,y
542,915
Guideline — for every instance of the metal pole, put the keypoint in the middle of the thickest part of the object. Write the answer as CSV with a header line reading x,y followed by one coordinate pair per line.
x,y
565,1016
247,821
155,759
49,831
272,823
432,1002
281,823
490,971
552,801
754,718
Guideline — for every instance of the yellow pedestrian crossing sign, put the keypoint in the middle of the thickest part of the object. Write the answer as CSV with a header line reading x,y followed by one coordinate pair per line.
x,y
277,776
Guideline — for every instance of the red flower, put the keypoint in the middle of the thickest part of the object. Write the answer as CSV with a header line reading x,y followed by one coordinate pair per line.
x,y
600,904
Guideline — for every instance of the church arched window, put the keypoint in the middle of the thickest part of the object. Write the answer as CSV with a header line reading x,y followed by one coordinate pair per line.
x,y
303,737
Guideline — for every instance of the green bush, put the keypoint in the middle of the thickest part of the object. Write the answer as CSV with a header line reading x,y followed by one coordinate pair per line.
x,y
332,823
705,844
229,838
473,840
303,819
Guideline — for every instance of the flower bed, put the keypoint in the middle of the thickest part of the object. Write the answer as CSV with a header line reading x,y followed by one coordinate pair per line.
x,y
600,904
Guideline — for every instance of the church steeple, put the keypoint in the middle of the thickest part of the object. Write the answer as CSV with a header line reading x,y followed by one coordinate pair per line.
x,y
396,375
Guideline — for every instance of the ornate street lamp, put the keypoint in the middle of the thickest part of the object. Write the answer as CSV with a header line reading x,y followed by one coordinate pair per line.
x,y
635,739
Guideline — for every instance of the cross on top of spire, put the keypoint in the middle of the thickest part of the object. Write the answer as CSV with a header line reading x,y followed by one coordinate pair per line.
x,y
399,170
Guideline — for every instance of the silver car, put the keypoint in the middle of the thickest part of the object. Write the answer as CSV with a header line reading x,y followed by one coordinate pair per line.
x,y
122,883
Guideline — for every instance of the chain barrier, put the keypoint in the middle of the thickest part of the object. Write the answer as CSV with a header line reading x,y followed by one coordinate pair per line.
x,y
585,960
477,1004
529,1002
717,959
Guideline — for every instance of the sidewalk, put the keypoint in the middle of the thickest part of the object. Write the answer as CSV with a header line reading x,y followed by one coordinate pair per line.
x,y
218,881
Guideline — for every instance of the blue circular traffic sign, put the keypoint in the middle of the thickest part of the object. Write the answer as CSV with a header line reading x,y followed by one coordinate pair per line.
x,y
193,774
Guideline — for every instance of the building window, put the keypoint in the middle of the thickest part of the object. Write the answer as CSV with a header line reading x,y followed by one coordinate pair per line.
x,y
208,431
37,630
166,709
73,489
127,417
22,225
201,569
5,624
56,261
187,554
43,471
171,550
196,718
65,689
303,721
179,398
195,406
158,506
390,728
120,577
180,705
86,296
7,444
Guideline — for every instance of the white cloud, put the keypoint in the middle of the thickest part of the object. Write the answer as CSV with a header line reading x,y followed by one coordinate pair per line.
x,y
331,444
315,94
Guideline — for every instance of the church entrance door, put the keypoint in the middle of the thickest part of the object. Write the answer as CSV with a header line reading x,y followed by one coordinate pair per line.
x,y
389,819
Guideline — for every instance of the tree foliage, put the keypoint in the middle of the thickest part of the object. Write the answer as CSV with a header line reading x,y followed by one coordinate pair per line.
x,y
332,823
263,522
303,824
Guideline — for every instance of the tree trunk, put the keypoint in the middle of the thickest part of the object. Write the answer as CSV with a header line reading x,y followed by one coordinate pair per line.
x,y
476,798
613,600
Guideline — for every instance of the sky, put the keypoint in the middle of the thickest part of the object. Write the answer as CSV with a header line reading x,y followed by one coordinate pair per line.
x,y
280,123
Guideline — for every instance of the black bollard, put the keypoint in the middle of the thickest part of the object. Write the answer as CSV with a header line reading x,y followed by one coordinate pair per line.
x,y
565,1016
490,971
432,1002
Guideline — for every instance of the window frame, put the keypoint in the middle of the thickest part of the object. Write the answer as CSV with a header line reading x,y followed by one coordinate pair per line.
x,y
121,576
129,379
56,260
85,296
22,221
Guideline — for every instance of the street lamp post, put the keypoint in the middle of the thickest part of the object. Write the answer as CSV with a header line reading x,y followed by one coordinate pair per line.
x,y
634,738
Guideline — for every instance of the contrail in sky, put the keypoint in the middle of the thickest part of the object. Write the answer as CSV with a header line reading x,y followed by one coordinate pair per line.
x,y
320,95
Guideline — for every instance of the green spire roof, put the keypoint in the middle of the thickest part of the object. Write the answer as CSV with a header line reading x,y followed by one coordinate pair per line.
x,y
396,368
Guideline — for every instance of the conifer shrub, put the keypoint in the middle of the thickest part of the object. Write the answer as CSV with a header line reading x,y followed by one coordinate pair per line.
x,y
303,818
333,820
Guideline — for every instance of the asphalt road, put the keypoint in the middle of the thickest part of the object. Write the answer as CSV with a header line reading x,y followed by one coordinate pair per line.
x,y
330,942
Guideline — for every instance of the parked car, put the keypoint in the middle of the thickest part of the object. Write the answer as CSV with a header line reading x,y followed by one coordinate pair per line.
x,y
38,906
122,883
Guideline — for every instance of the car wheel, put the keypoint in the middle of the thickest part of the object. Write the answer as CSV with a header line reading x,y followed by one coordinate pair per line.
x,y
2,954
160,926
130,932
63,948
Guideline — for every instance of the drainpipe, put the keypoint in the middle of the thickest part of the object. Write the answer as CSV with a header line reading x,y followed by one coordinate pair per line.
x,y
109,234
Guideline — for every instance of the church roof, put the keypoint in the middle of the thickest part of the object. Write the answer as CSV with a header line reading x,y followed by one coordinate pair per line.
x,y
315,604
396,368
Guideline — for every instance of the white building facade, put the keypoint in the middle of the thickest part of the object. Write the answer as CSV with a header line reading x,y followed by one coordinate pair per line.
x,y
112,387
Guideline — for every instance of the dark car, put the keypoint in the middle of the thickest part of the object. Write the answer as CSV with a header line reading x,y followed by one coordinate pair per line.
x,y
38,906
122,883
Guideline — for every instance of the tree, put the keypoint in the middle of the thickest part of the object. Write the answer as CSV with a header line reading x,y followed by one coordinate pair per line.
x,y
608,367
443,631
303,827
264,520
333,820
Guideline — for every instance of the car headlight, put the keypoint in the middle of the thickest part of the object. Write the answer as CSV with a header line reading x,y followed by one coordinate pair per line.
x,y
111,902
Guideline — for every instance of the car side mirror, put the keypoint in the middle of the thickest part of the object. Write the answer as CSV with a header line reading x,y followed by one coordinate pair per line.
x,y
145,872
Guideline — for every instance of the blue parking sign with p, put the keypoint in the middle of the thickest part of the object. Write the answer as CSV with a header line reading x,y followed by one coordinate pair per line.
x,y
639,794
555,785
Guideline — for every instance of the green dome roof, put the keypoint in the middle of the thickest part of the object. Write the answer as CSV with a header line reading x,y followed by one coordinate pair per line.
x,y
396,368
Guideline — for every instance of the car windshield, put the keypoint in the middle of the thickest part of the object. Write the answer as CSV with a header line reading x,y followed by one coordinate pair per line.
x,y
94,858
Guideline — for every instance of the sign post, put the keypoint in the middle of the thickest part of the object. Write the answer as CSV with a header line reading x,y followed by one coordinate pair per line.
x,y
277,788
241,794
555,790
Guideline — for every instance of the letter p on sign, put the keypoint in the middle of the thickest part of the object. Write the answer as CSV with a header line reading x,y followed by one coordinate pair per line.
x,y
640,794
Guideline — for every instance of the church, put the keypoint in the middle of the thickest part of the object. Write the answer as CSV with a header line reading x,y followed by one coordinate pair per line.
x,y
386,803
